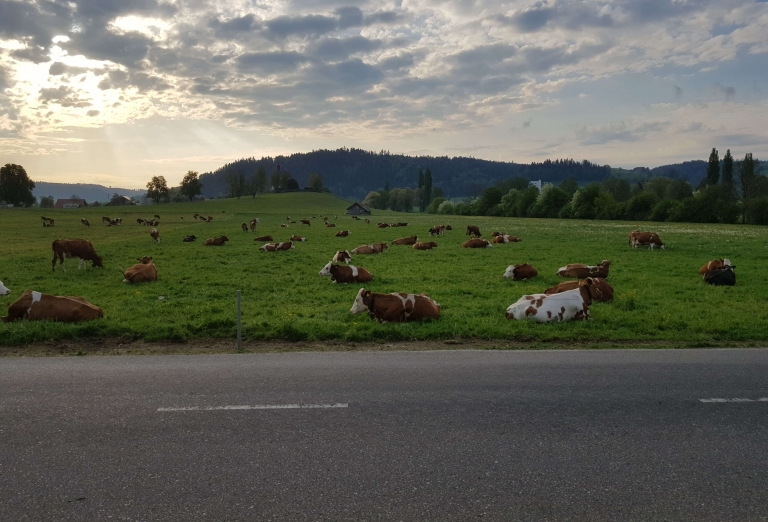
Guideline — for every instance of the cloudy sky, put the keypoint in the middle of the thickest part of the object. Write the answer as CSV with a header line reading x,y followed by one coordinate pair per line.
x,y
115,91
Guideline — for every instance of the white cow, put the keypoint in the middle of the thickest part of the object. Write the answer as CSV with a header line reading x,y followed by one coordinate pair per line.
x,y
3,289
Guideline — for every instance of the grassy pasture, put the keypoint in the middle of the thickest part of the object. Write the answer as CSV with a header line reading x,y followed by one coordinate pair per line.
x,y
659,294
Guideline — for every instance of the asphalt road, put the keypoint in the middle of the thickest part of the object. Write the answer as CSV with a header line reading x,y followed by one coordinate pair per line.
x,y
457,435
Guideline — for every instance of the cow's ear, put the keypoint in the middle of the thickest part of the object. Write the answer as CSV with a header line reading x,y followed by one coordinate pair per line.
x,y
589,281
367,293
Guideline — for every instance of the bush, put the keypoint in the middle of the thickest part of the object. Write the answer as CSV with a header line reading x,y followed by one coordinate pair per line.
x,y
583,202
639,207
432,208
663,210
757,211
549,202
446,207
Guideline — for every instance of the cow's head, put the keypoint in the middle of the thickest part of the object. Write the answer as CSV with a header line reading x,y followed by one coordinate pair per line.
x,y
598,288
224,239
3,289
144,260
510,273
605,263
326,271
361,302
97,262
432,244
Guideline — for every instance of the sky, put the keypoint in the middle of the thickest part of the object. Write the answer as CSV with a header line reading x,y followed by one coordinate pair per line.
x,y
117,91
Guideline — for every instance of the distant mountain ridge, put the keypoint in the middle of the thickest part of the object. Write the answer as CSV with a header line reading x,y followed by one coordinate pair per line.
x,y
88,191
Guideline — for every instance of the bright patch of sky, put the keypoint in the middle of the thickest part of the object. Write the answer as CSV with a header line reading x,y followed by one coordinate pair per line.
x,y
95,90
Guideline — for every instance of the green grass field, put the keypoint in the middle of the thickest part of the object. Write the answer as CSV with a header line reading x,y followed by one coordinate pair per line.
x,y
659,294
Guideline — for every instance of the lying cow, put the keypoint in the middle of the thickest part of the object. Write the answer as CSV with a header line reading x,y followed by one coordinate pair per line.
x,y
382,225
342,256
306,222
69,248
4,290
189,239
424,245
520,272
330,225
504,238
346,274
216,241
395,307
264,238
143,272
472,230
476,243
543,308
714,265
581,271
603,291
298,238
154,234
42,307
277,247
723,276
651,239
342,233
376,248
406,241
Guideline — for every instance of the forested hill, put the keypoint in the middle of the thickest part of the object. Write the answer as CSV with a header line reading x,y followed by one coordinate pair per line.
x,y
353,172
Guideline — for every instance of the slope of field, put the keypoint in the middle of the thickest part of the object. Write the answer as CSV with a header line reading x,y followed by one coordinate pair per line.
x,y
659,294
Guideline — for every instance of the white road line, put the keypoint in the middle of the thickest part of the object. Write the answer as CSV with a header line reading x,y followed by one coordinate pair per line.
x,y
258,407
735,399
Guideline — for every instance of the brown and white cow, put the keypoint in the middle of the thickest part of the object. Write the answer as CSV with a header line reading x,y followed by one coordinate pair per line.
x,y
473,230
395,307
264,238
406,241
375,248
476,243
244,226
637,238
566,306
504,238
520,272
342,256
283,225
602,291
4,289
437,230
715,264
582,271
298,238
216,241
35,306
399,224
69,248
154,234
143,272
85,223
277,247
330,225
346,274
382,225
424,245
306,222
254,223
342,233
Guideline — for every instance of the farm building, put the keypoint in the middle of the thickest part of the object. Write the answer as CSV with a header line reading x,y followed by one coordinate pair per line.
x,y
358,210
120,201
70,203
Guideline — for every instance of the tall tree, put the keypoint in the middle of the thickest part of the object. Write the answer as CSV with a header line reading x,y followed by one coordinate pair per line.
x,y
237,184
261,179
421,179
426,194
747,181
728,168
157,189
713,168
15,185
190,185
315,182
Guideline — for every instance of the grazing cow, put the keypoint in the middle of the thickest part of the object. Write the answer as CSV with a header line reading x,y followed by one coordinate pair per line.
x,y
367,221
383,225
342,233
714,265
376,248
520,272
189,239
43,218
216,241
80,248
476,243
35,306
283,225
342,256
651,239
306,222
264,238
85,223
298,238
504,238
3,289
581,271
143,272
329,225
473,231
346,274
543,308
196,215
244,226
277,247
602,290
254,223
119,221
48,222
141,221
424,245
437,230
406,241
395,307
723,276
113,223
154,234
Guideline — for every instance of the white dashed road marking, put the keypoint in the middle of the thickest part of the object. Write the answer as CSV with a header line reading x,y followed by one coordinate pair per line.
x,y
735,399
258,407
